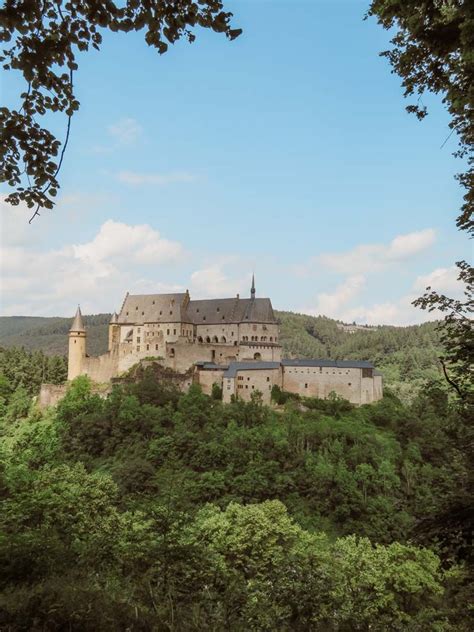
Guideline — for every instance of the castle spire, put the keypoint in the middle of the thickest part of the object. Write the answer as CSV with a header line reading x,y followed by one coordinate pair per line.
x,y
114,319
252,289
78,324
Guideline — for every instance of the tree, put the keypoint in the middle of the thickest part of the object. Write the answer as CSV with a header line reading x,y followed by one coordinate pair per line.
x,y
457,333
432,51
44,39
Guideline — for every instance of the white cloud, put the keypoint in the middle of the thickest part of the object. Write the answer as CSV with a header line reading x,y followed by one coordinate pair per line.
x,y
331,304
140,244
405,246
369,257
126,131
441,280
133,178
95,273
213,282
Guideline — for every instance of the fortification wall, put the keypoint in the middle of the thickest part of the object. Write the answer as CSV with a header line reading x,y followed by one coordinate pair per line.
x,y
101,368
51,394
321,381
247,382
207,378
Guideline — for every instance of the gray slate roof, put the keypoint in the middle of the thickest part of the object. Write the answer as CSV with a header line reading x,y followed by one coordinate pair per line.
x,y
338,364
78,323
171,308
235,367
152,308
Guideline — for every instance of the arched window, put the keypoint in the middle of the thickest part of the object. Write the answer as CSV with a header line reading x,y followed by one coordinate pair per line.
x,y
215,339
199,338
257,356
271,338
223,339
171,353
208,339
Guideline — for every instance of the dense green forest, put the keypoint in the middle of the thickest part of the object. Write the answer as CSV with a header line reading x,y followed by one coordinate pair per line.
x,y
407,356
156,510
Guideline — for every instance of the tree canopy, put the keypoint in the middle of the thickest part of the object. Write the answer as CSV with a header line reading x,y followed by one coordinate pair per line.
x,y
432,51
43,41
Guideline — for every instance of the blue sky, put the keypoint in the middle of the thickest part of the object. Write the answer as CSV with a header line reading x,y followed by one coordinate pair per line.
x,y
287,152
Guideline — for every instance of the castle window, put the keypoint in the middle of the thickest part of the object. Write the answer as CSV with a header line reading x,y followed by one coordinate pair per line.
x,y
171,353
126,313
156,347
148,347
204,318
215,339
138,348
306,386
174,332
271,338
268,379
171,313
197,310
349,383
223,339
153,302
167,332
199,338
218,309
223,317
208,339
136,307
160,312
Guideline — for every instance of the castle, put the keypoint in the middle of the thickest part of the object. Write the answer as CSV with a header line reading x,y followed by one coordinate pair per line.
x,y
231,342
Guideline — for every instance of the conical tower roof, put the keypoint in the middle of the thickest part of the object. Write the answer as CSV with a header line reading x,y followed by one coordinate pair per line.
x,y
114,319
78,323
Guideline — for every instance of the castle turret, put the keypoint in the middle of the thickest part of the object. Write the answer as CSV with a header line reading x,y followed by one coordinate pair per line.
x,y
77,346
252,289
114,330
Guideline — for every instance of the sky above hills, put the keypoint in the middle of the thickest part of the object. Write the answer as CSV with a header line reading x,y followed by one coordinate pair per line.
x,y
287,152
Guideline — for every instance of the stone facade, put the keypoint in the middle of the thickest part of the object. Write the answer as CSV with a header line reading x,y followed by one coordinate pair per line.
x,y
231,342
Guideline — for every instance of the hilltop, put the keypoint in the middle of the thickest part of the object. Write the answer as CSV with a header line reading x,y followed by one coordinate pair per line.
x,y
406,355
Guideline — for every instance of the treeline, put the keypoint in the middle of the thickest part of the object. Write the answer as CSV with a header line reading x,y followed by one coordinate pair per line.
x,y
407,356
155,510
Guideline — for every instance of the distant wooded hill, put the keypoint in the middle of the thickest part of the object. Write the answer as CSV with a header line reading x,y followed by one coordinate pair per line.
x,y
406,355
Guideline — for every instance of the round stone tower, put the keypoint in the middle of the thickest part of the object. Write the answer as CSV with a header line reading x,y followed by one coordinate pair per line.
x,y
77,346
114,332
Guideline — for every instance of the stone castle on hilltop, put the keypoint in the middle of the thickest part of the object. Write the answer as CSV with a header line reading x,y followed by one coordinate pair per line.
x,y
231,342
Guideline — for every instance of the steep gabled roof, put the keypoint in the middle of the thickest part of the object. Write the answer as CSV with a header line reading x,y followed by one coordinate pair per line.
x,y
231,310
152,308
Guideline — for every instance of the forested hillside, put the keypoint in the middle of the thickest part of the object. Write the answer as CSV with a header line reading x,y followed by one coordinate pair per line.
x,y
407,356
152,510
